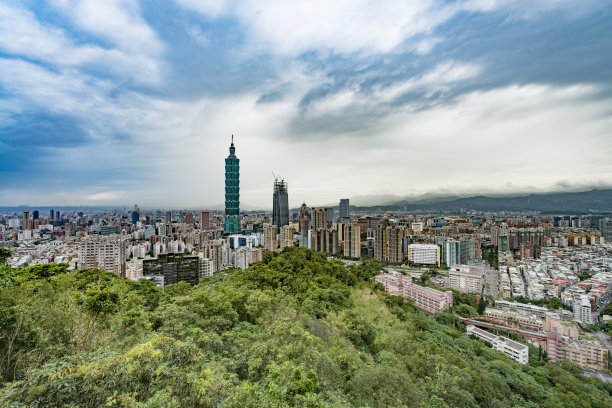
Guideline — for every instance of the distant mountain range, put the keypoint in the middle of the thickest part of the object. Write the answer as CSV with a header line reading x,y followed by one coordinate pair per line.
x,y
586,201
579,202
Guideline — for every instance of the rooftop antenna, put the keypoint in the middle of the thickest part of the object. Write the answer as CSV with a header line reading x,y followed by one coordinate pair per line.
x,y
232,140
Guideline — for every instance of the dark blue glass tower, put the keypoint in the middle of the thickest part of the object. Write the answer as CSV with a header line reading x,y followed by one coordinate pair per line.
x,y
135,214
280,205
232,192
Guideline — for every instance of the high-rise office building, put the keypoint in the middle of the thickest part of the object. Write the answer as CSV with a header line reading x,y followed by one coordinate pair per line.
x,y
468,250
344,210
605,229
57,216
205,219
26,215
135,214
35,215
189,218
330,216
51,213
280,205
231,224
173,268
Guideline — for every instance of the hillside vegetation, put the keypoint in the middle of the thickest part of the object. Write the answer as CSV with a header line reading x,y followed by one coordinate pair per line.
x,y
294,330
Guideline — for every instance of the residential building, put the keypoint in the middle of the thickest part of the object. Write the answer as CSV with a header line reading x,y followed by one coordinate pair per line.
x,y
582,309
417,227
515,350
106,255
428,299
286,236
304,225
324,240
424,254
467,278
587,353
207,268
319,218
388,242
204,219
270,243
352,240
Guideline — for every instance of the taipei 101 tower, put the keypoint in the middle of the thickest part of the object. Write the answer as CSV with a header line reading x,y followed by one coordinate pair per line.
x,y
232,192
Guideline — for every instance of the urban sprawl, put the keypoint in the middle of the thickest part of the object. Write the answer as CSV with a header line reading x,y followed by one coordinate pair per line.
x,y
549,276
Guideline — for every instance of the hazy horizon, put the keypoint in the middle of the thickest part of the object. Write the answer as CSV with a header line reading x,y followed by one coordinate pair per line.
x,y
123,102
359,201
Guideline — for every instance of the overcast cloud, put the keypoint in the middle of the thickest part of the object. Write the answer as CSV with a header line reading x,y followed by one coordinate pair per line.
x,y
122,102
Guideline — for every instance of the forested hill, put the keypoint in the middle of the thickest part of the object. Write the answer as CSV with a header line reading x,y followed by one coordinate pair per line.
x,y
294,330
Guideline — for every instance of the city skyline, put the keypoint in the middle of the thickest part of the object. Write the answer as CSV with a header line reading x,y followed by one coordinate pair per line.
x,y
134,102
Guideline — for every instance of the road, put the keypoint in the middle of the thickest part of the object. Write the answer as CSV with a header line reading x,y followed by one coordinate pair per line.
x,y
605,339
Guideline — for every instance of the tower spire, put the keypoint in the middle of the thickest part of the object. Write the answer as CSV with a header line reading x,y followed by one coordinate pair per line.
x,y
232,140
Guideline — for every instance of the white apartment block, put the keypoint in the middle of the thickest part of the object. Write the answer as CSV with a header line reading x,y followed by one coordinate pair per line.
x,y
467,278
207,268
424,254
582,309
516,351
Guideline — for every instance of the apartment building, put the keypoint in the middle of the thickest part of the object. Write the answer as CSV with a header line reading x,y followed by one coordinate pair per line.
x,y
467,278
516,351
428,299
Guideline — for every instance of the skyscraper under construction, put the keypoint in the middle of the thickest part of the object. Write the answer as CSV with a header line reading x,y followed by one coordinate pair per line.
x,y
280,204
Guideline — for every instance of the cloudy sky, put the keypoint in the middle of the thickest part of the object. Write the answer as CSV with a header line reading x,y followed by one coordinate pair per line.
x,y
122,102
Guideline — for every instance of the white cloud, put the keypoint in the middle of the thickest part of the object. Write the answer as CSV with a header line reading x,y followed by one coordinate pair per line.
x,y
342,26
212,8
104,196
363,26
22,35
117,21
439,79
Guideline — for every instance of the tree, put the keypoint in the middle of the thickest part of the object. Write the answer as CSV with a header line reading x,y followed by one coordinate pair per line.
x,y
5,253
482,305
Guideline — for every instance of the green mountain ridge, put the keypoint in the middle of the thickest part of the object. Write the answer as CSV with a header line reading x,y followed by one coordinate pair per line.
x,y
295,330
582,202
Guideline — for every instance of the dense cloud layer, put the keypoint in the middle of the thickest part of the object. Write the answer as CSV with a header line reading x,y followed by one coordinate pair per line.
x,y
125,101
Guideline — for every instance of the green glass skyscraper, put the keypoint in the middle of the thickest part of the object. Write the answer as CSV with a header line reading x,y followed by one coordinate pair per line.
x,y
232,192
